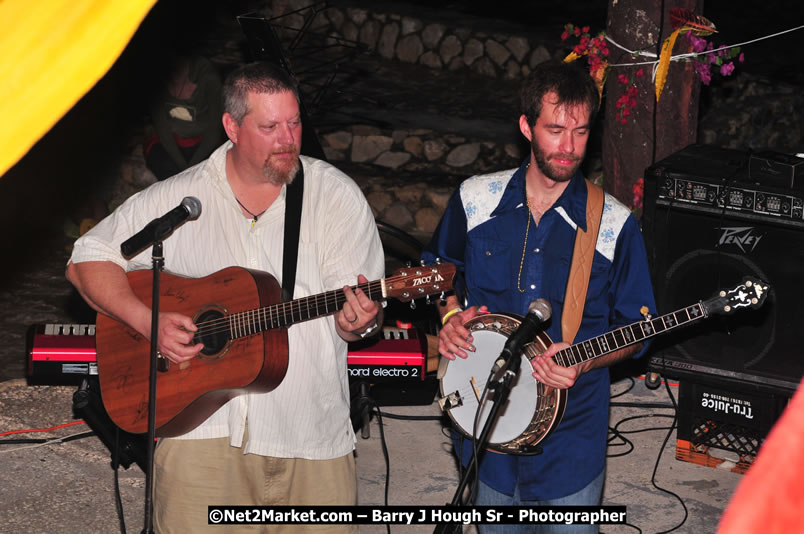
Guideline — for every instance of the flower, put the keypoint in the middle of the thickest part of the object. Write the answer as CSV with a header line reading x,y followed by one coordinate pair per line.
x,y
595,49
707,58
638,191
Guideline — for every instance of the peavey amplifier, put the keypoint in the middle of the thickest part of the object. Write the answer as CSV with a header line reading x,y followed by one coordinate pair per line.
x,y
708,222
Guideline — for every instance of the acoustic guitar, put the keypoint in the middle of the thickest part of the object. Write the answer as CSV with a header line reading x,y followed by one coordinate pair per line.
x,y
243,326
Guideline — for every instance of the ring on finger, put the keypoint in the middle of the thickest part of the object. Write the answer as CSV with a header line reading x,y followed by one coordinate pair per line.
x,y
353,320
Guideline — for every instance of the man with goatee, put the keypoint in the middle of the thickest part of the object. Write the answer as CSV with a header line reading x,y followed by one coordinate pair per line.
x,y
293,445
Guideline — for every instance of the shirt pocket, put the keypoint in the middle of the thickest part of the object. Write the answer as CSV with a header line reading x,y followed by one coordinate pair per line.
x,y
488,266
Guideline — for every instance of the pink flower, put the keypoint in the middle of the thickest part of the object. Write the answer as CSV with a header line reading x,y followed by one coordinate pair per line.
x,y
727,69
640,72
565,35
742,57
622,78
585,29
577,32
705,76
698,44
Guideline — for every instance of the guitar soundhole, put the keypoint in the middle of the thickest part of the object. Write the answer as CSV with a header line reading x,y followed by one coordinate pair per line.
x,y
215,339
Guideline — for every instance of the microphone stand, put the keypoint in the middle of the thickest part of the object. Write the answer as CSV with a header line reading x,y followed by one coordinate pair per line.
x,y
503,388
158,262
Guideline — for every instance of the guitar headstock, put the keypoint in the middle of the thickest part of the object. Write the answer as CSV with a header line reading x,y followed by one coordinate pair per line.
x,y
411,283
751,293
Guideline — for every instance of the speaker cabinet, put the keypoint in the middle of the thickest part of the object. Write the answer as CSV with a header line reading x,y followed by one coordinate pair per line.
x,y
707,224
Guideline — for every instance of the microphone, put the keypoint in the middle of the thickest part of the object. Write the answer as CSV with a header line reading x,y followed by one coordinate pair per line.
x,y
539,312
159,228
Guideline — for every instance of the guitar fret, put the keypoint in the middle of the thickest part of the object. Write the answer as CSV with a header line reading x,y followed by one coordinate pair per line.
x,y
238,325
647,328
611,341
560,358
604,345
637,332
576,355
619,338
595,348
587,347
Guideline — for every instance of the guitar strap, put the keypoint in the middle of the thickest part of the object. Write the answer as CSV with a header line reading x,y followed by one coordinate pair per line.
x,y
290,254
581,267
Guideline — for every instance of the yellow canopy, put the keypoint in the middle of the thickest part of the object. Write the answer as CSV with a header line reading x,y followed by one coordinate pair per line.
x,y
51,53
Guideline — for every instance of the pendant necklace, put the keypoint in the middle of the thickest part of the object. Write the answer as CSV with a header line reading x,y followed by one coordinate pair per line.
x,y
524,248
255,216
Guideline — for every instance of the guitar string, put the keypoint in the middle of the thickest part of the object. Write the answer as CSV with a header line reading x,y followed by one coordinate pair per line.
x,y
224,323
254,318
567,353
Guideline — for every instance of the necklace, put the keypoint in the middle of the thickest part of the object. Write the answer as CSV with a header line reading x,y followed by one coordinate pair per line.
x,y
255,216
524,248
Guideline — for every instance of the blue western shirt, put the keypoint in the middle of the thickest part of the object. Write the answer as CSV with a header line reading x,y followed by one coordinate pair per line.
x,y
483,233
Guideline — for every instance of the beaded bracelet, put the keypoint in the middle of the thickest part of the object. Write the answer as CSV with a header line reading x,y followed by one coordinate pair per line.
x,y
449,314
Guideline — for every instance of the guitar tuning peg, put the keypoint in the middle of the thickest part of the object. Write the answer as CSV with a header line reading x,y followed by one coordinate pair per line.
x,y
422,263
442,298
427,300
412,304
408,264
438,261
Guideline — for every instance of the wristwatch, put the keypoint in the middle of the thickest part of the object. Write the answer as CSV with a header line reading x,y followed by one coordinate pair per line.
x,y
367,332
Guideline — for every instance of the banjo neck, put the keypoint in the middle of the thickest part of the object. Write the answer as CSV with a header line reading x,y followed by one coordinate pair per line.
x,y
628,335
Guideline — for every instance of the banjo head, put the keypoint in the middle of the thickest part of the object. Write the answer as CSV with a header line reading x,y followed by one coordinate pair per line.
x,y
468,377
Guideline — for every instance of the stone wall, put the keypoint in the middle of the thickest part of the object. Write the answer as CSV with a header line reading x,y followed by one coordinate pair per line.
x,y
751,112
418,150
424,39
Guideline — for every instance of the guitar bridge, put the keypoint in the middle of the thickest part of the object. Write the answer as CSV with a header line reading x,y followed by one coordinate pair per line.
x,y
453,400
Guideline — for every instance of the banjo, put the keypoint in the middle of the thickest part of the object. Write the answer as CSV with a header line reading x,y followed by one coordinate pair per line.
x,y
534,410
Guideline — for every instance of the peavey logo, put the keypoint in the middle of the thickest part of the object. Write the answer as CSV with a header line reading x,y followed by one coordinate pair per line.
x,y
743,237
427,279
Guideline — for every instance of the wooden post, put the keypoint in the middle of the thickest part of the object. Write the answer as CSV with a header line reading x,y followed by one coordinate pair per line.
x,y
652,131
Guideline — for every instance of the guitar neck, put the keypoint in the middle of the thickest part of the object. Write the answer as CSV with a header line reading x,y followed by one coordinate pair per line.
x,y
628,335
284,314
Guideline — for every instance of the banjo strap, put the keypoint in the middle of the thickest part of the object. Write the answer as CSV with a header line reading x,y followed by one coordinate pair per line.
x,y
581,267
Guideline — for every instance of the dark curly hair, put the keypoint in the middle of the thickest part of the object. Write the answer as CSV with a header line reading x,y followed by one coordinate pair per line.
x,y
573,85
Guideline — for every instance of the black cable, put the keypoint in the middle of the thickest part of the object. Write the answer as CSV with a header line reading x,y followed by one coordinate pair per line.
x,y
29,441
641,405
385,455
413,417
118,501
659,457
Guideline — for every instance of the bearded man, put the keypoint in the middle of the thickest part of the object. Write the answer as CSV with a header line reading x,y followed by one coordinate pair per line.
x,y
293,445
511,235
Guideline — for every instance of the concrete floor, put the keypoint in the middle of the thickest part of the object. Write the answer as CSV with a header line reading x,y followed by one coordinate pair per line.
x,y
70,486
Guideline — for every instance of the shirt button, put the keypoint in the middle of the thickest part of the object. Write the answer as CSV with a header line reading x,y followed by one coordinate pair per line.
x,y
488,253
536,250
533,286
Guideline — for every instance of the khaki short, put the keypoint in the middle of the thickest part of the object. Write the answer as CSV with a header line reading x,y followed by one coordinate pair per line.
x,y
193,474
